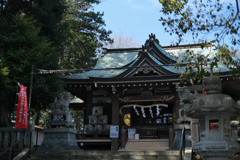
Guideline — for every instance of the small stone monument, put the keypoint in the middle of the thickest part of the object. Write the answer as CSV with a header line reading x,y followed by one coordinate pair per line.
x,y
60,134
214,111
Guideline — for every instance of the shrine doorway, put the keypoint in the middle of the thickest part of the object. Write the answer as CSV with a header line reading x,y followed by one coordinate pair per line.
x,y
152,126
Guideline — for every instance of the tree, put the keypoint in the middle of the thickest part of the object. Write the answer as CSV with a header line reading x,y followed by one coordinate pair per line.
x,y
198,18
48,15
122,40
4,114
20,48
182,17
84,36
53,34
78,118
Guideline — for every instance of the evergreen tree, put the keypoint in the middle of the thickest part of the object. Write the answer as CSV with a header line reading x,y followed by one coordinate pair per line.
x,y
84,36
48,35
20,48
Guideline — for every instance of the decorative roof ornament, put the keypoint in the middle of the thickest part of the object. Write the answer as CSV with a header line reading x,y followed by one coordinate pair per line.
x,y
145,48
152,37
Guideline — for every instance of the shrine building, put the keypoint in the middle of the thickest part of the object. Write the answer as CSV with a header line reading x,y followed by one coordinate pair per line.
x,y
136,88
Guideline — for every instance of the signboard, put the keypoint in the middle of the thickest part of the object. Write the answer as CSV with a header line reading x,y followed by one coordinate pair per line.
x,y
131,133
195,130
114,131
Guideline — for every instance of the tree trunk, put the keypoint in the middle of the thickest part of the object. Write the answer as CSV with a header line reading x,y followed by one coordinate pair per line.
x,y
37,118
5,119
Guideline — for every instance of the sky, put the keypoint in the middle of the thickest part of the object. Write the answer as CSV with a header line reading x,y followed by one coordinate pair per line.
x,y
138,18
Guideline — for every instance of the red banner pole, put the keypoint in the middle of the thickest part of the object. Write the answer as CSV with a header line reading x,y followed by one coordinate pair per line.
x,y
30,94
13,118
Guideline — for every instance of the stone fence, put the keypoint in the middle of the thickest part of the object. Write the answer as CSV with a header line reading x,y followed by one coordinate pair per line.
x,y
18,133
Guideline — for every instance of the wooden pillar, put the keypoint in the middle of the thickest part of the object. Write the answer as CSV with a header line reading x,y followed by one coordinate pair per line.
x,y
115,117
123,138
88,105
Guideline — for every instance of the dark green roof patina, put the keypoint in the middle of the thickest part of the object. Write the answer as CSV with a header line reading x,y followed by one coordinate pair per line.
x,y
127,57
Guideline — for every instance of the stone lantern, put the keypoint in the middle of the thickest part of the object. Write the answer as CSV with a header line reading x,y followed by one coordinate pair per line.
x,y
214,111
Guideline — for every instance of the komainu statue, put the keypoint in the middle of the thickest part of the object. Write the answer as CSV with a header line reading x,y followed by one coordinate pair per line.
x,y
186,97
60,112
63,103
60,133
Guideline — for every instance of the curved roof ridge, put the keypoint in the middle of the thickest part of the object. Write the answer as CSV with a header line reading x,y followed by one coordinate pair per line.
x,y
164,52
160,63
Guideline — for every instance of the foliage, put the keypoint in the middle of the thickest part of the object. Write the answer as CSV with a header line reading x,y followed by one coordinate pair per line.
x,y
48,15
49,35
78,118
20,48
200,18
41,119
84,35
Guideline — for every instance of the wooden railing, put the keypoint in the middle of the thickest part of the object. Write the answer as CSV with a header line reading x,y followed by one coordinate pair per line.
x,y
182,145
6,135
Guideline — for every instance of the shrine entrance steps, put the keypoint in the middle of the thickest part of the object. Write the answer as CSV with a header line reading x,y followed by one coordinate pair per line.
x,y
104,155
147,145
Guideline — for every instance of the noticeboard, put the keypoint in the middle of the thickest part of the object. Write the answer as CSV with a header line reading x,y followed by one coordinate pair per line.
x,y
131,133
114,130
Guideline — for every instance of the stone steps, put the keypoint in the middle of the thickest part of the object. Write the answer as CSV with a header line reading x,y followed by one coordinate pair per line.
x,y
147,145
6,155
108,155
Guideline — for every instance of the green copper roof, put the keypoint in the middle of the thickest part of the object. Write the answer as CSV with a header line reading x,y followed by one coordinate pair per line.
x,y
165,67
76,100
109,60
116,58
198,51
164,52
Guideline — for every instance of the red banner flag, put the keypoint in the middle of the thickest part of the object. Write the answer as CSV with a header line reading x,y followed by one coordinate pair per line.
x,y
22,109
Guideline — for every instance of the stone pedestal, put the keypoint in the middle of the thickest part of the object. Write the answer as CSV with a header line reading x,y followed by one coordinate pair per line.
x,y
59,139
216,149
178,134
60,118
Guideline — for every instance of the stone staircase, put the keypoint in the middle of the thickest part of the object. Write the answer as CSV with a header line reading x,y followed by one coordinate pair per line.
x,y
147,145
103,155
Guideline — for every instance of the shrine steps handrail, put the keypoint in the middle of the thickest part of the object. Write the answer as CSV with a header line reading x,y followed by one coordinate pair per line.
x,y
182,145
